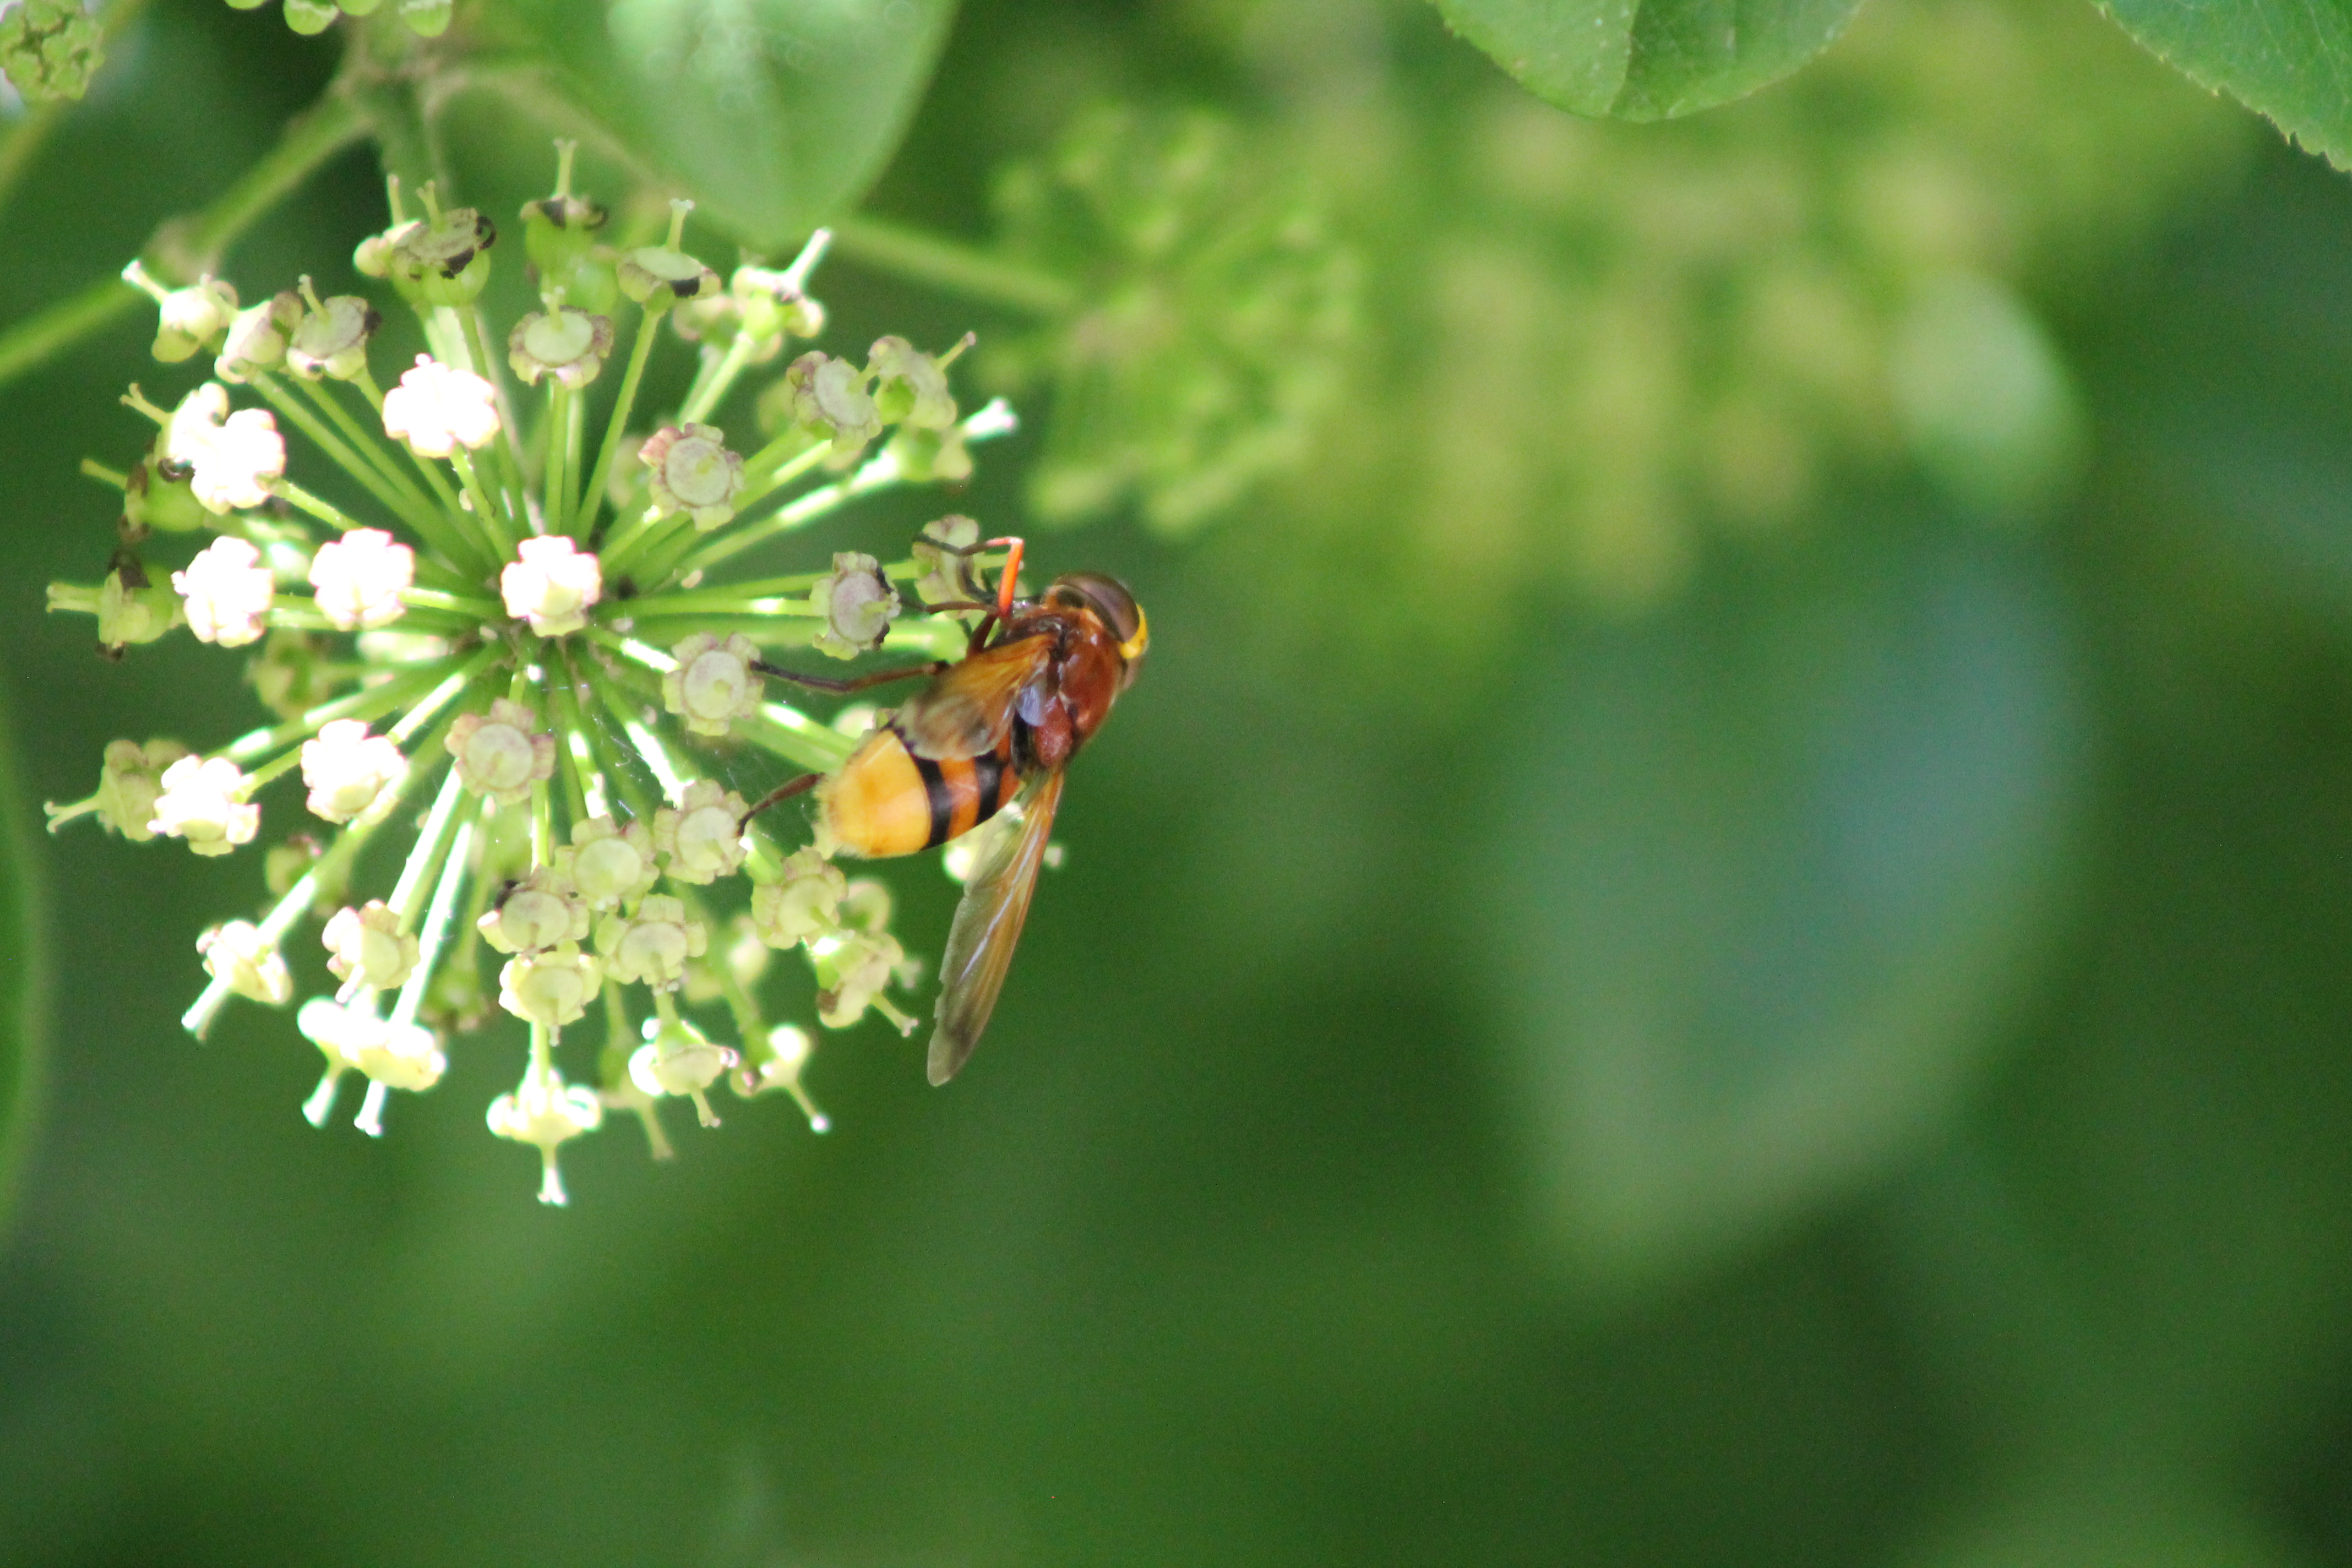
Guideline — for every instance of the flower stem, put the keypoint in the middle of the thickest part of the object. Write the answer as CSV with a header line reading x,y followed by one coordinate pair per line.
x,y
436,930
592,496
951,265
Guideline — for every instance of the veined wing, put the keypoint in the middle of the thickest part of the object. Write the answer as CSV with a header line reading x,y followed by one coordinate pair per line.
x,y
968,707
987,925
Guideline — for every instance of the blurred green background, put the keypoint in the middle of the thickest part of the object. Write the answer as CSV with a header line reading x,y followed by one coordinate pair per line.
x,y
1720,932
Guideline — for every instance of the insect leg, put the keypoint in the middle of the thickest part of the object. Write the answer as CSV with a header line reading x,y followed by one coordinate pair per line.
x,y
782,792
856,682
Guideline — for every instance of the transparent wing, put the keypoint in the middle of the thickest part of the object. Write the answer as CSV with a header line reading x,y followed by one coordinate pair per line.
x,y
987,926
968,707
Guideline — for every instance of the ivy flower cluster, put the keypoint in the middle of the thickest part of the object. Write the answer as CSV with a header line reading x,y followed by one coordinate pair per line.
x,y
506,663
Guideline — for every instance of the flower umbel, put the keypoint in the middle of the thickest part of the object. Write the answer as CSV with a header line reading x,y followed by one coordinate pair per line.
x,y
517,659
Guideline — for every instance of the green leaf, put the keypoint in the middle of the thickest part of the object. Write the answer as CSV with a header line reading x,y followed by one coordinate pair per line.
x,y
1625,59
1774,863
773,114
24,977
2285,59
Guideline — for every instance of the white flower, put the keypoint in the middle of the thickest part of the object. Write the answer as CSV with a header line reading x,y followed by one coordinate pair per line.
x,y
857,604
713,683
359,577
543,1111
502,753
654,944
551,585
805,903
703,838
437,408
234,953
536,913
200,803
552,987
678,1059
607,864
693,472
346,768
233,456
367,949
226,591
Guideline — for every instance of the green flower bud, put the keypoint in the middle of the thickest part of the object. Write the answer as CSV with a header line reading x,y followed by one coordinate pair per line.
x,y
657,276
557,233
159,496
332,338
910,387
258,337
829,398
49,49
426,18
569,345
444,260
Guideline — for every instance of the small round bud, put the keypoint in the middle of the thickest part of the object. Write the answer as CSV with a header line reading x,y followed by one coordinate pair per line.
x,y
713,684
293,673
345,768
679,1059
932,456
444,260
652,945
366,948
535,914
258,337
157,495
659,276
569,345
235,954
501,753
226,592
557,231
332,337
702,838
910,387
359,579
852,971
827,398
437,408
553,987
128,613
940,551
857,604
805,903
202,802
693,472
190,319
608,864
552,585
130,781
773,304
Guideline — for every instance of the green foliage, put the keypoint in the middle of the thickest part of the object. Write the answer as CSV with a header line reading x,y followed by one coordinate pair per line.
x,y
1768,875
1648,59
2287,59
774,114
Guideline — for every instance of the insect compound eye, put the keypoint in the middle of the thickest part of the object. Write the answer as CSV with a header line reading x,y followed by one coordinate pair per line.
x,y
1109,599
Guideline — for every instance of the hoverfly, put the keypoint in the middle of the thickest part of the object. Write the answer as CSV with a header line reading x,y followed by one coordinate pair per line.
x,y
1037,678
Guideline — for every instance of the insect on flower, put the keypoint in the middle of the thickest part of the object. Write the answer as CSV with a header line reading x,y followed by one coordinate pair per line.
x,y
992,729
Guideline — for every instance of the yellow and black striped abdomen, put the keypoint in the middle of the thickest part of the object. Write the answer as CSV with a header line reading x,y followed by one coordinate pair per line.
x,y
887,801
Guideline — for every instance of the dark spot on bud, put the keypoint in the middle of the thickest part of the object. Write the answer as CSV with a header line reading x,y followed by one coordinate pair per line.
x,y
110,651
485,233
133,571
370,320
457,263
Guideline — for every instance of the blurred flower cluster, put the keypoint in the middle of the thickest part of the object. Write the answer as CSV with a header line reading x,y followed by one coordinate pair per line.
x,y
1577,350
496,668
